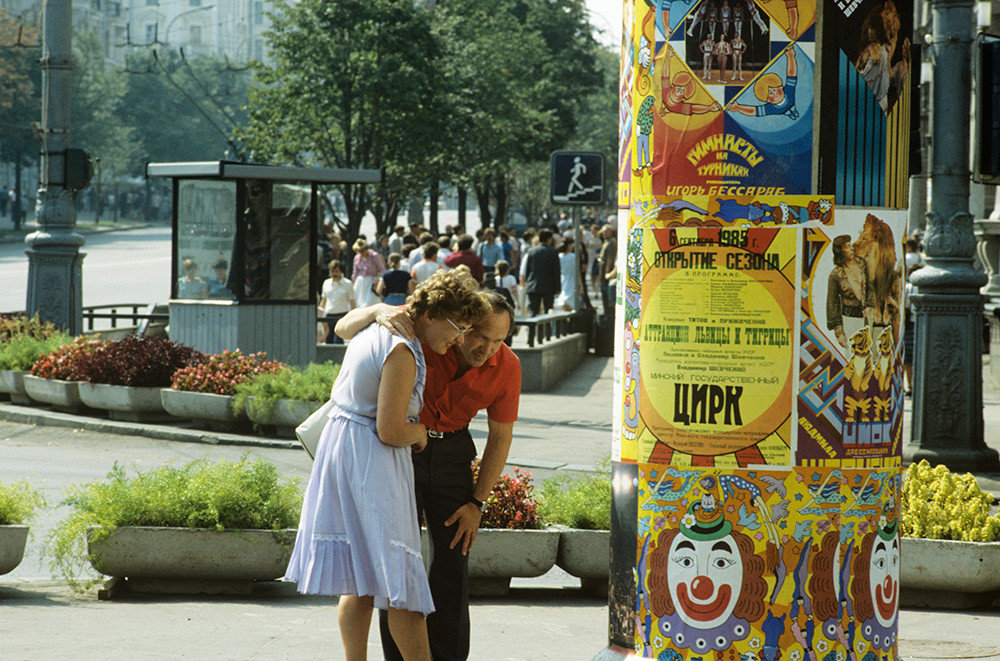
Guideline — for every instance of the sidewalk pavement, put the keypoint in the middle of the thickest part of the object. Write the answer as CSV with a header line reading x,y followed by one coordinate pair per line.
x,y
549,617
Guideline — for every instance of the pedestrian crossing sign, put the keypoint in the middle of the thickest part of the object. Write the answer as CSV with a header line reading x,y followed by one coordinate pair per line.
x,y
577,177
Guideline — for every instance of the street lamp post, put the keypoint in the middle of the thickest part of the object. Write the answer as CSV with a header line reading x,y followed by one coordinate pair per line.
x,y
55,281
166,33
948,397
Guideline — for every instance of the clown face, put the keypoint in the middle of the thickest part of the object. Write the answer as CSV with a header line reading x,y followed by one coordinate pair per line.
x,y
704,578
884,580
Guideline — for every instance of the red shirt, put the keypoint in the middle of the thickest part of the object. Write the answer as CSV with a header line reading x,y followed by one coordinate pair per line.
x,y
451,403
471,260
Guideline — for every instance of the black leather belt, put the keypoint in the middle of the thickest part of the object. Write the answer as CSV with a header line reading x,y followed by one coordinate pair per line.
x,y
433,433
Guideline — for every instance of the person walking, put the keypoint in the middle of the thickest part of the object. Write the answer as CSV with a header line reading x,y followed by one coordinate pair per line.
x,y
358,534
541,278
482,373
490,252
336,300
395,284
428,266
465,255
569,280
368,266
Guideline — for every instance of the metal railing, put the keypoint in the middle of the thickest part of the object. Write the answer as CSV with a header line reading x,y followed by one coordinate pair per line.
x,y
122,312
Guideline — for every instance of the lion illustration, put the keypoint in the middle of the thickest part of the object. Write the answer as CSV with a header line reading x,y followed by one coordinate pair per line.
x,y
883,372
876,249
858,374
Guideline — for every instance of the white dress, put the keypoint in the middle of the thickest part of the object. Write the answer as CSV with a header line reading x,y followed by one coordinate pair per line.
x,y
358,532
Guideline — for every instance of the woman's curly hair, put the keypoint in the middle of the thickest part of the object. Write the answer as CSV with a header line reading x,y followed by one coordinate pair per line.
x,y
450,294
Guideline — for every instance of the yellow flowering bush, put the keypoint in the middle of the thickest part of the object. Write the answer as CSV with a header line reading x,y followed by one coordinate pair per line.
x,y
939,504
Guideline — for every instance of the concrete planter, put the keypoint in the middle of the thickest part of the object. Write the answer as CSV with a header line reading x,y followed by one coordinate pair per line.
x,y
586,555
203,408
186,561
129,403
285,417
499,555
938,573
61,394
12,541
12,384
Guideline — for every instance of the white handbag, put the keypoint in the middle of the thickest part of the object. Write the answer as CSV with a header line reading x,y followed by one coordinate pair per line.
x,y
311,428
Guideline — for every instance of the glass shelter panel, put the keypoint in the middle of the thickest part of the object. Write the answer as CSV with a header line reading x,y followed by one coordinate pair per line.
x,y
277,218
206,239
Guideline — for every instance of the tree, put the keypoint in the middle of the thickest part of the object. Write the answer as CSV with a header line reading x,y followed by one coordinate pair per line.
x,y
183,109
353,85
98,106
597,125
520,70
20,100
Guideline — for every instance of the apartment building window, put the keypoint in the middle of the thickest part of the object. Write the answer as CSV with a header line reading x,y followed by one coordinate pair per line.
x,y
95,5
116,9
152,2
195,3
258,13
195,34
150,32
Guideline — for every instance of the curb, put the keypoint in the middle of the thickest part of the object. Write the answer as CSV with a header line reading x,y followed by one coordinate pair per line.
x,y
49,418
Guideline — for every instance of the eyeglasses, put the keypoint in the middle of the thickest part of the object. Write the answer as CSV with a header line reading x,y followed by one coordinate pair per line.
x,y
460,331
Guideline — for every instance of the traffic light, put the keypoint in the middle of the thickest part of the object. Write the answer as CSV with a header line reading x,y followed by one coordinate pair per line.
x,y
78,170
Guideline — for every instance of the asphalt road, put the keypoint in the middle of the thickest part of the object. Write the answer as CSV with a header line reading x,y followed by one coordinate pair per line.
x,y
130,266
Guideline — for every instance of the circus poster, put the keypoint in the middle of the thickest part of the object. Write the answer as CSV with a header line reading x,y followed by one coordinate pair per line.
x,y
716,353
733,215
766,563
850,396
718,93
863,156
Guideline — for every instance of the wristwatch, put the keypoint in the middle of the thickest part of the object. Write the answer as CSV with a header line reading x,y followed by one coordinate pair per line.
x,y
475,501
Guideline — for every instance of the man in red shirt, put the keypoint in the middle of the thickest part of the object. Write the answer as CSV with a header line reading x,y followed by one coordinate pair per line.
x,y
465,255
479,373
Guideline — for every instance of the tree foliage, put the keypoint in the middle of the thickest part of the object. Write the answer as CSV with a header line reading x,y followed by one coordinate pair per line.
x,y
20,85
183,109
352,85
522,69
98,100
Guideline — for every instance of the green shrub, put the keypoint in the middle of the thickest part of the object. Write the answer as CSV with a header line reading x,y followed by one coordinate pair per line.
x,y
13,326
21,352
19,503
579,501
939,504
312,384
246,494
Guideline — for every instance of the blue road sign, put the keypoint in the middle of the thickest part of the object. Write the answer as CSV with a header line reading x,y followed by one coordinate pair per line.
x,y
576,177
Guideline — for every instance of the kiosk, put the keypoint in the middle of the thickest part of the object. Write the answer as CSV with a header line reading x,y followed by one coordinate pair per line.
x,y
244,259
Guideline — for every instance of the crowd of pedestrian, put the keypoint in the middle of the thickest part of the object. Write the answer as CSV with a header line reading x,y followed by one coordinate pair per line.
x,y
537,271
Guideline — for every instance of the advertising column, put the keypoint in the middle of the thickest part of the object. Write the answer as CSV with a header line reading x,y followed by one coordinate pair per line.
x,y
759,362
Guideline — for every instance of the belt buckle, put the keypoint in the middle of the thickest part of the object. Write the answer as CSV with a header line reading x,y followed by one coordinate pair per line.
x,y
433,433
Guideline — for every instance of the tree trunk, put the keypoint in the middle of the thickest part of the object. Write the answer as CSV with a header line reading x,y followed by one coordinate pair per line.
x,y
483,199
501,198
434,192
462,199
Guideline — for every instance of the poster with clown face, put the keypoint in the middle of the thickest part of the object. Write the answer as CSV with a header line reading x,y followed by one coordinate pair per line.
x,y
765,564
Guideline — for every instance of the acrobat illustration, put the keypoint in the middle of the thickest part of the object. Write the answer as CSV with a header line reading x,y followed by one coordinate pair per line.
x,y
778,96
677,92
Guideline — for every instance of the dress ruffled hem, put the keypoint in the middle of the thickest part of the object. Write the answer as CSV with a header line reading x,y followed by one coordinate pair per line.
x,y
327,566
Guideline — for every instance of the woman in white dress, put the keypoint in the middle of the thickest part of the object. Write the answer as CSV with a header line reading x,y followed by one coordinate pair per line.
x,y
569,278
358,535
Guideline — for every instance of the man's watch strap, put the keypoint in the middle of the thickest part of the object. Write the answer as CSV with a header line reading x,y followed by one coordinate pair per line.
x,y
475,501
